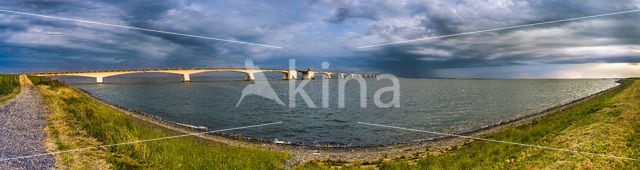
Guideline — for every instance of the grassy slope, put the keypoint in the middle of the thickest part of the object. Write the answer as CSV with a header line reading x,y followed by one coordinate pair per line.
x,y
78,122
9,86
605,124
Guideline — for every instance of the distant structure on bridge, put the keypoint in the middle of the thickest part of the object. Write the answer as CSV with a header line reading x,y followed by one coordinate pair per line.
x,y
185,72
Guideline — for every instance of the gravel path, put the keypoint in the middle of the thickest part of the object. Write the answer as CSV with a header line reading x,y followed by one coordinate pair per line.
x,y
22,121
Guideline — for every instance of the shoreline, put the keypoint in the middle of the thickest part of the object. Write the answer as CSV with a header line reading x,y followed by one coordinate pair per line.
x,y
302,153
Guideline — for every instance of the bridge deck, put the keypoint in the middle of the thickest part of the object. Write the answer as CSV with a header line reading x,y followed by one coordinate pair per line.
x,y
178,69
185,72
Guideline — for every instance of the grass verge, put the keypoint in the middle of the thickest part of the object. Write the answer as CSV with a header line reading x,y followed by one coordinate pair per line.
x,y
608,123
9,86
79,122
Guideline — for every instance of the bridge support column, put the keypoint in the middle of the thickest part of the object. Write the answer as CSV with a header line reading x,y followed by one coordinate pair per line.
x,y
186,78
249,77
327,75
307,75
99,79
291,75
341,76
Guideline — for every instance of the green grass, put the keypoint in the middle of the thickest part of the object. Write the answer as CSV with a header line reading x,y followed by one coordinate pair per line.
x,y
51,83
9,86
78,121
605,124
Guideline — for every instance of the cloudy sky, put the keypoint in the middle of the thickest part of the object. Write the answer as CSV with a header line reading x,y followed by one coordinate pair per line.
x,y
329,30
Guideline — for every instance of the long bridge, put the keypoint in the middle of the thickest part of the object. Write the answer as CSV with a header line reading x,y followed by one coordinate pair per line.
x,y
185,72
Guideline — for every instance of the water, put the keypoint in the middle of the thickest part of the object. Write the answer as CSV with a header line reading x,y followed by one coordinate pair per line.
x,y
441,105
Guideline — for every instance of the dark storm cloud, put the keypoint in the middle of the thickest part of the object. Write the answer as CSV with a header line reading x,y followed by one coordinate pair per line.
x,y
42,4
441,26
341,15
575,42
86,44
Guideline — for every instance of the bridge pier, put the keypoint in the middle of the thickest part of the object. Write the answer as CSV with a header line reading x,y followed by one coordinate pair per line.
x,y
291,75
186,78
249,76
99,79
327,75
307,75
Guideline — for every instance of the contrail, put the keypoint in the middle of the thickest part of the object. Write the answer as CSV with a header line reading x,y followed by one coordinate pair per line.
x,y
136,28
499,141
140,141
503,28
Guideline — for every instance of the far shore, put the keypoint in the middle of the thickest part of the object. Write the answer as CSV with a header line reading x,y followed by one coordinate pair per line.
x,y
302,154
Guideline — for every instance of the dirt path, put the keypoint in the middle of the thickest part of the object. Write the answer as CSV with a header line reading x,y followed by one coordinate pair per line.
x,y
22,121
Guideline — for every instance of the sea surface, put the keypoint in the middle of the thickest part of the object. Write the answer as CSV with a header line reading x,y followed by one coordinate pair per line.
x,y
438,105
